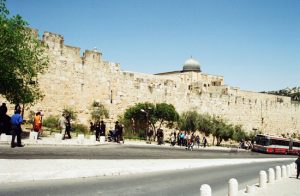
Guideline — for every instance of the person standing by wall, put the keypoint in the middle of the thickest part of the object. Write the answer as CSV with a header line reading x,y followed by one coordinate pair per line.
x,y
117,132
17,107
16,121
62,125
121,138
92,127
198,140
160,136
3,108
102,128
204,142
5,125
68,126
298,166
181,138
98,129
37,123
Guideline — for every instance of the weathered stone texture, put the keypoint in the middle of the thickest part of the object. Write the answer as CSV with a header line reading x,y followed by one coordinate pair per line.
x,y
76,81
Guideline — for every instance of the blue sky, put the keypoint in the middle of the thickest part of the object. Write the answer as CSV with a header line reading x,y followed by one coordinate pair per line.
x,y
254,44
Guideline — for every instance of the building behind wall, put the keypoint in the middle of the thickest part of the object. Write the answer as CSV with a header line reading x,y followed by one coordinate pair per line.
x,y
77,81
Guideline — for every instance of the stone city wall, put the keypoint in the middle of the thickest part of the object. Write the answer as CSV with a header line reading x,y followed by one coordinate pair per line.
x,y
76,81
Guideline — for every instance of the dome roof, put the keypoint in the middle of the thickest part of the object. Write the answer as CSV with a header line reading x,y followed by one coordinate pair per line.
x,y
191,65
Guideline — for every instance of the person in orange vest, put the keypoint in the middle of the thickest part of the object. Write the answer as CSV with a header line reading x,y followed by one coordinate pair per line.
x,y
37,123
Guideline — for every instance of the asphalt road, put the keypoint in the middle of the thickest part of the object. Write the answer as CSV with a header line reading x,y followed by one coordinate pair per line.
x,y
173,183
117,151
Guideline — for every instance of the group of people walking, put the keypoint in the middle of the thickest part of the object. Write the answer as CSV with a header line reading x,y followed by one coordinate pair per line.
x,y
189,140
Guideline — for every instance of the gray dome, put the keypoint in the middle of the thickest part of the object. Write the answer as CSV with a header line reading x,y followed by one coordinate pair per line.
x,y
191,65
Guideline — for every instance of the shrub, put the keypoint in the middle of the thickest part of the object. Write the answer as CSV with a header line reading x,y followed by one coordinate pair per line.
x,y
80,129
31,117
51,122
70,112
99,111
132,134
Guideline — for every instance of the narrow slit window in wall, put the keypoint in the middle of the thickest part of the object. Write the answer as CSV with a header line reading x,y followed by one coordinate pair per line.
x,y
82,85
111,101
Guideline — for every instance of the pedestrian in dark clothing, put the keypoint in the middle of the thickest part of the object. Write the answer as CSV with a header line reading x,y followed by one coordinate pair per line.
x,y
298,166
16,121
5,125
198,140
160,136
3,109
17,107
102,128
92,127
204,142
119,132
68,126
149,135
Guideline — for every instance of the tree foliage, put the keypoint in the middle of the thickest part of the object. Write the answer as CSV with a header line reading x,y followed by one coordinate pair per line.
x,y
22,59
71,112
205,124
144,115
99,111
166,113
239,135
216,126
189,121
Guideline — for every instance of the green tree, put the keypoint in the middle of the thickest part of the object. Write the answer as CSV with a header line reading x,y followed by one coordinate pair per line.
x,y
239,134
205,124
22,59
221,130
189,121
99,111
144,115
166,113
140,117
69,111
226,133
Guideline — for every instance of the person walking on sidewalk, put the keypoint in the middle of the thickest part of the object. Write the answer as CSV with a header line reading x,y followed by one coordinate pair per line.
x,y
298,165
62,125
204,142
37,124
16,121
68,126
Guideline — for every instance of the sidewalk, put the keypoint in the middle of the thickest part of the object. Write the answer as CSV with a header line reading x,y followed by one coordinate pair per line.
x,y
285,187
51,141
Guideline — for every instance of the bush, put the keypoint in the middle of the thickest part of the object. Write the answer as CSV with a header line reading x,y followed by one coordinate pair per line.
x,y
51,122
99,111
69,111
31,116
80,129
137,135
